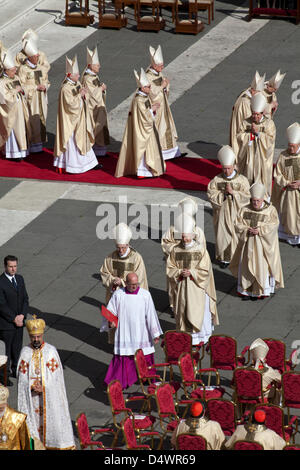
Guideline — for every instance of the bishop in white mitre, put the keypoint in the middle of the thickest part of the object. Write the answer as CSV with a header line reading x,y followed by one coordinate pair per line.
x,y
160,89
270,89
96,101
242,108
227,192
14,118
73,151
286,189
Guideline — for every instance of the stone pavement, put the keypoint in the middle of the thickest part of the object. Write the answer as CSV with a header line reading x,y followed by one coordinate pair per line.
x,y
51,226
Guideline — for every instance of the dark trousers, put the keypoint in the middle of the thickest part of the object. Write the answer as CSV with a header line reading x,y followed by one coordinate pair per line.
x,y
13,340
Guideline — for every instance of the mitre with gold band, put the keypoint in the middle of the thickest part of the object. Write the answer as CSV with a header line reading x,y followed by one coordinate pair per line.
x,y
276,80
258,82
141,79
92,57
72,66
257,191
156,56
36,326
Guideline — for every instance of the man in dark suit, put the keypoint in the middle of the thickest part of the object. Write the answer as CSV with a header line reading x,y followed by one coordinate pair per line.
x,y
13,312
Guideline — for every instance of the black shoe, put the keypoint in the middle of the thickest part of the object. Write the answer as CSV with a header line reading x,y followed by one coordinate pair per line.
x,y
98,167
245,298
254,299
184,154
223,264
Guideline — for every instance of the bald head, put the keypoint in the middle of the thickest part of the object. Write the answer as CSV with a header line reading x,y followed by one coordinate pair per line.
x,y
132,282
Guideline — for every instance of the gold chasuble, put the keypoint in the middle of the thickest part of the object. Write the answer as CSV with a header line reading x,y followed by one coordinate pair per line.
x,y
164,121
257,257
285,199
13,112
36,100
14,433
225,209
72,118
115,266
190,293
255,158
97,108
140,140
241,110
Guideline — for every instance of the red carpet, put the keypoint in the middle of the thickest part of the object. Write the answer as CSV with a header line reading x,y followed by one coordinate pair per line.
x,y
182,173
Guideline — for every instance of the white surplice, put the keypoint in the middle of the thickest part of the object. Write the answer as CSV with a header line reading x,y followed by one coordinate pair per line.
x,y
48,416
138,323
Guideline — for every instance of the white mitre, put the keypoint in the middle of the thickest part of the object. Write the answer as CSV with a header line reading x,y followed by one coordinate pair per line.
x,y
122,234
30,34
141,79
259,350
184,224
156,56
226,156
92,56
293,133
258,82
7,60
29,47
188,206
257,191
258,103
276,80
72,66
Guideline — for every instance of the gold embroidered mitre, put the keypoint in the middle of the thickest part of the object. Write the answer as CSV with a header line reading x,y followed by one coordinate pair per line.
x,y
36,326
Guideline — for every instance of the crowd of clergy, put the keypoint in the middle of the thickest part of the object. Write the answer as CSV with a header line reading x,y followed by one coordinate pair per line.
x,y
253,205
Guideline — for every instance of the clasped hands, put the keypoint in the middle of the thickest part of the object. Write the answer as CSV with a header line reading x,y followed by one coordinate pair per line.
x,y
253,231
185,273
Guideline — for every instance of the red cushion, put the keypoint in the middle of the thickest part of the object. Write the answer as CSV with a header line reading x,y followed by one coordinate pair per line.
x,y
215,393
174,386
145,423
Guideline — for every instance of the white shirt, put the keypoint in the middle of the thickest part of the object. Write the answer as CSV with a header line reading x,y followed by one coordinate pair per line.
x,y
138,323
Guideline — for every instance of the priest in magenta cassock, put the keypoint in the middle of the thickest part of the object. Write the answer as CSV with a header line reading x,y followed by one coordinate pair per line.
x,y
138,328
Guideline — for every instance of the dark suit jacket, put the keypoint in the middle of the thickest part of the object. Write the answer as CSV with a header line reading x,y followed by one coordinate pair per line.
x,y
12,302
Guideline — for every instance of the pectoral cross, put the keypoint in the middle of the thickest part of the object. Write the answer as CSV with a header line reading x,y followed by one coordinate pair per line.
x,y
254,218
187,258
295,163
120,267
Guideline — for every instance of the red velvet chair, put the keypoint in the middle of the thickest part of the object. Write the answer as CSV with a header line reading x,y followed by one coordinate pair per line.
x,y
247,445
275,421
189,441
223,353
85,436
130,438
147,380
195,388
168,416
276,357
292,447
248,387
119,408
224,412
290,383
177,342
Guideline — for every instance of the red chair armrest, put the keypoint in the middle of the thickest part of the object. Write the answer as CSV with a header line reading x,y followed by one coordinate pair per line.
x,y
292,420
209,369
99,431
137,397
163,364
150,433
246,349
